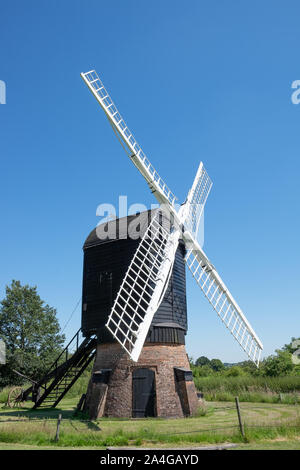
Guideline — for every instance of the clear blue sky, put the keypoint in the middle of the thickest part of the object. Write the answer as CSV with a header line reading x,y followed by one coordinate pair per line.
x,y
196,80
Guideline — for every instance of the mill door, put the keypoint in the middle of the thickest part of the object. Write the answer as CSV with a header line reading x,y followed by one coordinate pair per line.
x,y
143,393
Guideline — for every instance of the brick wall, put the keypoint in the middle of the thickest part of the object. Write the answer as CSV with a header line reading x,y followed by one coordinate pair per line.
x,y
115,400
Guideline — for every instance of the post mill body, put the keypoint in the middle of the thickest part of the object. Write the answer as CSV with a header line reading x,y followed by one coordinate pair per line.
x,y
160,383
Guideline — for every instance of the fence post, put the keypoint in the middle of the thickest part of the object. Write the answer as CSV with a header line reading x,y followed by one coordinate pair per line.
x,y
57,429
239,416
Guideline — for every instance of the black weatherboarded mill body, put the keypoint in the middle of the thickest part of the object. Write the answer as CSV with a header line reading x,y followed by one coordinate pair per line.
x,y
106,260
160,383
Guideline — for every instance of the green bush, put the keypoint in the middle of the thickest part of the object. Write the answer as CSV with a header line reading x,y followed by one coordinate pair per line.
x,y
235,371
4,394
248,388
286,384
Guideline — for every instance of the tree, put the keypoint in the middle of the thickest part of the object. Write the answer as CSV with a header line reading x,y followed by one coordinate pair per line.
x,y
235,371
217,365
249,368
292,346
31,332
282,363
205,371
191,360
278,365
202,361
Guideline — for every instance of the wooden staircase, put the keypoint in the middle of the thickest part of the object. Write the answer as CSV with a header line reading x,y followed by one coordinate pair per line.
x,y
65,371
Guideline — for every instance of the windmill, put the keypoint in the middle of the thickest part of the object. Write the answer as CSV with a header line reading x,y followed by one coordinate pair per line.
x,y
143,288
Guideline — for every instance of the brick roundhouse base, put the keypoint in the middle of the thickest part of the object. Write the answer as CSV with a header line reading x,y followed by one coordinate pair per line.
x,y
112,395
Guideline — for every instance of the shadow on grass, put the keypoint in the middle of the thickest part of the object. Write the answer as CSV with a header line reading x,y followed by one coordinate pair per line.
x,y
49,414
44,413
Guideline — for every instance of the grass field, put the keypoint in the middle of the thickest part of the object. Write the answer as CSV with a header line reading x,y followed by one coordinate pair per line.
x,y
250,389
266,426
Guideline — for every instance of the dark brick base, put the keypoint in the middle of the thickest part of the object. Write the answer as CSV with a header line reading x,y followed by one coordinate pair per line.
x,y
173,398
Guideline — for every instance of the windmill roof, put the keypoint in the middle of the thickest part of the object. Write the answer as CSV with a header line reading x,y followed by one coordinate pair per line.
x,y
132,226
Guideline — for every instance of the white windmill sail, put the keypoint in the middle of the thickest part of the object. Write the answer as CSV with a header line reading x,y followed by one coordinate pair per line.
x,y
147,277
191,212
161,191
143,286
205,273
133,310
222,300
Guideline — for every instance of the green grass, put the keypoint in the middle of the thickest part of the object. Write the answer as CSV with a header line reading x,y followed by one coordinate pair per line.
x,y
254,397
279,444
250,389
4,394
216,423
16,446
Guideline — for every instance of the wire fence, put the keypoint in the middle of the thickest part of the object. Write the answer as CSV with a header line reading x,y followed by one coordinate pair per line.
x,y
208,429
243,421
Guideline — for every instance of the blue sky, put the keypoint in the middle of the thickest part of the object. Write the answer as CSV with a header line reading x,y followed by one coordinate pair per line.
x,y
196,80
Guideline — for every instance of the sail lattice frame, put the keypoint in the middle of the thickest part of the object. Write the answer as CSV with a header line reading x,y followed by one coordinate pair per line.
x,y
143,286
146,292
137,155
196,200
224,304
